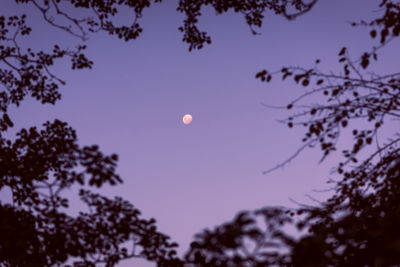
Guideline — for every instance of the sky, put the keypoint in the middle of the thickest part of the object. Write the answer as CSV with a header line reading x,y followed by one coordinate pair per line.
x,y
196,176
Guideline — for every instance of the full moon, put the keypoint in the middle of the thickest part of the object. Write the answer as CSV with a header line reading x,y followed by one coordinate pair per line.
x,y
187,119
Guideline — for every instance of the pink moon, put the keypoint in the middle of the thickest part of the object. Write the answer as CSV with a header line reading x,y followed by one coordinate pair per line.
x,y
187,119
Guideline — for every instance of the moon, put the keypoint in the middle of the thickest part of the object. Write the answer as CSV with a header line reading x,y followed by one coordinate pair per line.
x,y
187,119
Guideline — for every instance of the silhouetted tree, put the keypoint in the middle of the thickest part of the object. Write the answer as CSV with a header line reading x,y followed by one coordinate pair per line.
x,y
358,225
36,229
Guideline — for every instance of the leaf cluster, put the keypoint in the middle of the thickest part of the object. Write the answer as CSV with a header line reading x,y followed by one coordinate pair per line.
x,y
250,239
39,167
253,12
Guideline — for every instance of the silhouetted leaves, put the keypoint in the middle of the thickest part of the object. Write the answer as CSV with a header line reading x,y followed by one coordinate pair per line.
x,y
19,235
358,227
251,239
358,224
373,33
38,167
253,12
26,72
365,60
342,51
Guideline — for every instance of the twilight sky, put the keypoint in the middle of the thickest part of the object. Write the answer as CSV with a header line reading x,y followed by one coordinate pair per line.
x,y
194,176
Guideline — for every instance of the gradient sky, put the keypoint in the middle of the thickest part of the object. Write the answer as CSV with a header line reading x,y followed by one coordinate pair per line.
x,y
190,177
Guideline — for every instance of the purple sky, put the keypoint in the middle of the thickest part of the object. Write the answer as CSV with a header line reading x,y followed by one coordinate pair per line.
x,y
194,176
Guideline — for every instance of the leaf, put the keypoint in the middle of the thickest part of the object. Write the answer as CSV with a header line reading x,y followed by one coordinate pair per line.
x,y
261,74
342,51
365,60
335,92
7,120
298,77
346,70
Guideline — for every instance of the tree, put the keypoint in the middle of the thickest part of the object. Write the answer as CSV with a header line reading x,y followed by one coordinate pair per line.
x,y
38,166
357,226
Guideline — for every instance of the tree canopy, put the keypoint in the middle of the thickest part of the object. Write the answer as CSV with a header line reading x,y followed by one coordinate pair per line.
x,y
354,227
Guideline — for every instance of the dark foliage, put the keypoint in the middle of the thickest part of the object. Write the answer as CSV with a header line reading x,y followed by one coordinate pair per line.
x,y
28,72
251,239
358,225
39,167
253,11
